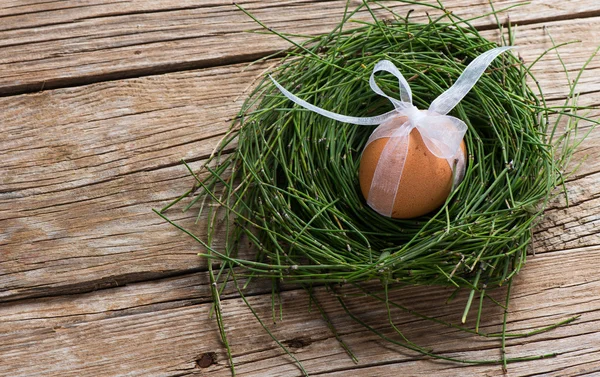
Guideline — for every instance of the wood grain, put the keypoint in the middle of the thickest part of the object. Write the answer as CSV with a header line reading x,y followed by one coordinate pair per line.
x,y
56,44
88,197
93,284
108,332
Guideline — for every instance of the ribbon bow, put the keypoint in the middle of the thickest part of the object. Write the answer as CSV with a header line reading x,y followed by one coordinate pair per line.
x,y
441,133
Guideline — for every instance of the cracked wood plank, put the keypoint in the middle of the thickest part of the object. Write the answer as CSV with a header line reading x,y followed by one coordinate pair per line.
x,y
53,44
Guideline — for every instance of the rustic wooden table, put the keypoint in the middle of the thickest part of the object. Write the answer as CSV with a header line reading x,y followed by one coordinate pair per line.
x,y
100,99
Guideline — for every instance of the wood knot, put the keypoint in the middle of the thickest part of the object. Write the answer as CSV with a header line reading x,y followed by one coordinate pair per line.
x,y
206,359
299,342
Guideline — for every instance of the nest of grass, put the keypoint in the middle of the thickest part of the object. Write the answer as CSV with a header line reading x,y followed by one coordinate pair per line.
x,y
291,188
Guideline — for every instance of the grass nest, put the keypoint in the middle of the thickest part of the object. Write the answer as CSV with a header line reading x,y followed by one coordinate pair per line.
x,y
290,186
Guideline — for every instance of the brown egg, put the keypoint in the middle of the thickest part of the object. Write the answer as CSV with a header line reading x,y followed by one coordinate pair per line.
x,y
426,179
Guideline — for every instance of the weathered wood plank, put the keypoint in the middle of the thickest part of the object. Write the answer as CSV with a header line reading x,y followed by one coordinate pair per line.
x,y
63,197
76,209
161,327
53,44
575,226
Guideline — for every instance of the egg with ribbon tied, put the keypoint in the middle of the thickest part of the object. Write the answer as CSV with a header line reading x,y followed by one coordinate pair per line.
x,y
401,178
414,158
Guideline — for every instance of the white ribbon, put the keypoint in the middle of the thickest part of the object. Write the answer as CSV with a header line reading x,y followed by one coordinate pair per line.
x,y
441,133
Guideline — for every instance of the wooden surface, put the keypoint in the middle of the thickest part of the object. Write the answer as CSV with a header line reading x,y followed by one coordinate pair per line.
x,y
100,101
